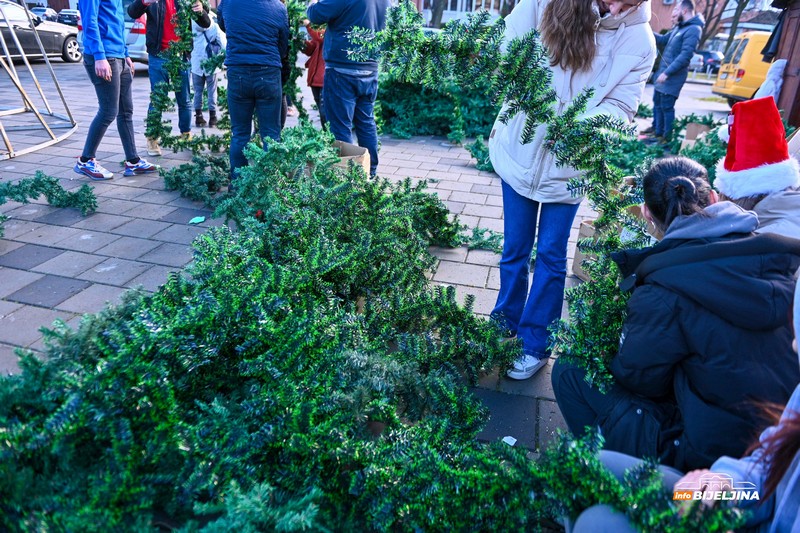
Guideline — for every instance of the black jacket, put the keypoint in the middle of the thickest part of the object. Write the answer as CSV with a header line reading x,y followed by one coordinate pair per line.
x,y
155,22
711,335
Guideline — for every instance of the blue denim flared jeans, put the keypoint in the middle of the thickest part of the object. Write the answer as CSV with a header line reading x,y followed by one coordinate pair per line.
x,y
529,313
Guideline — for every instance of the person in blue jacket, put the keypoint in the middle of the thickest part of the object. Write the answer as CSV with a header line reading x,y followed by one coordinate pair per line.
x,y
350,86
678,46
105,57
258,45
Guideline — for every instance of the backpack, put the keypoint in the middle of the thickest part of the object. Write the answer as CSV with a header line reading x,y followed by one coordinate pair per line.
x,y
213,46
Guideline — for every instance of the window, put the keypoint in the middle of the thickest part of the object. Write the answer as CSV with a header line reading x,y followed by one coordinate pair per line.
x,y
739,51
14,13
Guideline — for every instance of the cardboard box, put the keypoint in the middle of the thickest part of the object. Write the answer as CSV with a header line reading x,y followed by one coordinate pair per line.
x,y
351,152
693,130
586,230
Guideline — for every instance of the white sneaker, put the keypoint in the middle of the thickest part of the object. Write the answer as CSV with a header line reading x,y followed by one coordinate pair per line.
x,y
525,367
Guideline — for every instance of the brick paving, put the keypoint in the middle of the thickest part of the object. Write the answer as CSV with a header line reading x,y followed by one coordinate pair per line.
x,y
55,263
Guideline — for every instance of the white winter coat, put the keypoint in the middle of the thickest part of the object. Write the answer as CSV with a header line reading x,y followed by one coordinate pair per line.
x,y
625,55
199,49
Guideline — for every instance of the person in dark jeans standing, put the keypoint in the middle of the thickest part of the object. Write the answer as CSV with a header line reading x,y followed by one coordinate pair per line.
x,y
160,32
350,86
678,46
105,57
256,58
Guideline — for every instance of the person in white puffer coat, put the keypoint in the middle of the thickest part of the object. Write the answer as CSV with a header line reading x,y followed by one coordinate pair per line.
x,y
606,45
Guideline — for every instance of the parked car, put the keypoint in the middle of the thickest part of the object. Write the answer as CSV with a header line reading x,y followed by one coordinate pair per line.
x,y
58,40
696,63
69,16
47,13
135,35
712,59
743,70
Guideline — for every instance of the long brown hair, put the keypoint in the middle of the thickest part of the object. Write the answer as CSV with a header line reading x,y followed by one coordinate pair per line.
x,y
568,28
780,448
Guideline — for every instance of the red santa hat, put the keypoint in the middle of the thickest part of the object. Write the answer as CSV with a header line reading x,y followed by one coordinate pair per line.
x,y
758,159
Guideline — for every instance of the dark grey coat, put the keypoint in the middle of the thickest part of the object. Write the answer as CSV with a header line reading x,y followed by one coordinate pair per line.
x,y
677,48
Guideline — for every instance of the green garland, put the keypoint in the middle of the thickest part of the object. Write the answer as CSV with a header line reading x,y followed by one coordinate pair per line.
x,y
300,375
29,188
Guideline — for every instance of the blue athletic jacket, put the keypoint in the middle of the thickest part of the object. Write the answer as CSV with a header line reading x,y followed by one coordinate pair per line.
x,y
103,28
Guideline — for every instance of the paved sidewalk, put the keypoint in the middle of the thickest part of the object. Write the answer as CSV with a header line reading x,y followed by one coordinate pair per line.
x,y
55,263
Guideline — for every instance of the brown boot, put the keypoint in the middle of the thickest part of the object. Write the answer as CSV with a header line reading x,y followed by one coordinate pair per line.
x,y
212,119
152,147
199,121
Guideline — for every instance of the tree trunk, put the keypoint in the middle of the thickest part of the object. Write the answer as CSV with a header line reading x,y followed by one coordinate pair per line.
x,y
437,12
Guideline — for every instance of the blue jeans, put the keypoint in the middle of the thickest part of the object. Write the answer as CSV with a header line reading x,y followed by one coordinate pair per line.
x,y
253,89
200,83
158,74
663,113
349,103
529,314
115,101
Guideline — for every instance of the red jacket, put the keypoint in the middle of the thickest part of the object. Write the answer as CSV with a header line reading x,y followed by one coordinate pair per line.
x,y
315,63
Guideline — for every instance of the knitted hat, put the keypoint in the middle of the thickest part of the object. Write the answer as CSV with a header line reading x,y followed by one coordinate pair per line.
x,y
758,159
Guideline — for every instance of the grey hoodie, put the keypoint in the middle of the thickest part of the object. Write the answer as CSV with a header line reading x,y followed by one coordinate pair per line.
x,y
718,220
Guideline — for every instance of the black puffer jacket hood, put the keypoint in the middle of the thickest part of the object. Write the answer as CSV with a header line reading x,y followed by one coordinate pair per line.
x,y
759,301
750,291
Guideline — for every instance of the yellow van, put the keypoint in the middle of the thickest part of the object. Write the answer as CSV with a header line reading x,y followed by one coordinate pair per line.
x,y
743,70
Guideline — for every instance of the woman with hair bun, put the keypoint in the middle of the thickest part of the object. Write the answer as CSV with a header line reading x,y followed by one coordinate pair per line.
x,y
707,331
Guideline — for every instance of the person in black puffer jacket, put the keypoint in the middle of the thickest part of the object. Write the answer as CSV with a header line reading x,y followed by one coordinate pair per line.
x,y
707,333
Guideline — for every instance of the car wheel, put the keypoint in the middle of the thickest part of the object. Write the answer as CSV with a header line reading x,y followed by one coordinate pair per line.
x,y
731,101
70,51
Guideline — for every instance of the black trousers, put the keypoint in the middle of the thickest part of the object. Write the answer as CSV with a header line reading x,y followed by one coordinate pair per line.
x,y
629,423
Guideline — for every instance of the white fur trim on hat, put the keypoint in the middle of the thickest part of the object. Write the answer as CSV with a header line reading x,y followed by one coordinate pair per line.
x,y
765,179
723,134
